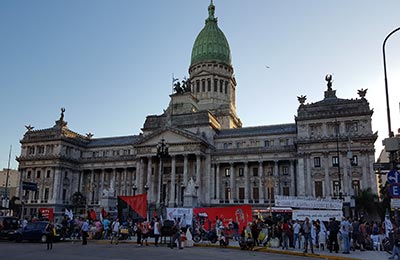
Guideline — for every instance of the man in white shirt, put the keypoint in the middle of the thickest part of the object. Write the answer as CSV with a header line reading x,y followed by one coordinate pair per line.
x,y
296,233
115,231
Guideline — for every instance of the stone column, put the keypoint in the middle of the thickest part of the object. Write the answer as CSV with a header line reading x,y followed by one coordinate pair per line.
x,y
292,179
56,187
346,167
232,180
207,174
148,181
309,186
373,181
212,183
159,182
198,177
113,180
172,189
218,182
246,182
301,177
91,187
140,176
364,163
327,181
277,179
126,183
102,181
185,170
260,182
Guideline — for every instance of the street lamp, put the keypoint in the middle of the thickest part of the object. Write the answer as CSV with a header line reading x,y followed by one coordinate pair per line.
x,y
162,153
338,160
386,83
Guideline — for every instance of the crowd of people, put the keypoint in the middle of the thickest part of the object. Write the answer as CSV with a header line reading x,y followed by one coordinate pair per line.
x,y
308,235
335,235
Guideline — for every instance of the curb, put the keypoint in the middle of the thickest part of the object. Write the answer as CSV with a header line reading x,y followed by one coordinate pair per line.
x,y
257,249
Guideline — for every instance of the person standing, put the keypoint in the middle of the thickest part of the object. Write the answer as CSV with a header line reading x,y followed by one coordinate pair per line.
x,y
106,226
157,226
333,228
115,231
285,234
177,234
49,235
307,235
296,233
85,231
345,230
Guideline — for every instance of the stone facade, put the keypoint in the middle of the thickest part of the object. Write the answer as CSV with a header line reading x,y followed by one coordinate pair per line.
x,y
212,160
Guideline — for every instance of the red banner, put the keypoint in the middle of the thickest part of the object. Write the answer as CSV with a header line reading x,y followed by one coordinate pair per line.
x,y
47,213
241,214
137,203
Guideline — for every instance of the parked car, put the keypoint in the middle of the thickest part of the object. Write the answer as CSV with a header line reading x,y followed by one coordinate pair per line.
x,y
35,231
8,225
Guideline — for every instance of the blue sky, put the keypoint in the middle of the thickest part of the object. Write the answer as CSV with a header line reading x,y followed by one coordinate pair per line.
x,y
110,63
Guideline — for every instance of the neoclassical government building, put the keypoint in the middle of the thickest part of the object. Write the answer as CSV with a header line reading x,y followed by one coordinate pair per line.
x,y
210,158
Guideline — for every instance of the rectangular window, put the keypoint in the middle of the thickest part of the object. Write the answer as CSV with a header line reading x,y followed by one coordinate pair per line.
x,y
318,189
285,170
356,186
227,193
221,86
241,170
31,150
351,127
241,193
203,86
41,149
227,172
255,171
256,194
36,195
197,86
46,194
317,162
284,142
64,194
209,85
335,161
38,174
215,85
48,174
266,143
28,174
226,87
286,191
354,161
335,188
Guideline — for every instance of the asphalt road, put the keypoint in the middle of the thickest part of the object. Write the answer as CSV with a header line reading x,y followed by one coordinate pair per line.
x,y
95,251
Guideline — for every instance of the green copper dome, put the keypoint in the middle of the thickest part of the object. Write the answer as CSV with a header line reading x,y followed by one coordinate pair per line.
x,y
211,43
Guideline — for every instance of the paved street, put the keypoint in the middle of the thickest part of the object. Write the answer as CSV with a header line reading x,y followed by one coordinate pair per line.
x,y
96,251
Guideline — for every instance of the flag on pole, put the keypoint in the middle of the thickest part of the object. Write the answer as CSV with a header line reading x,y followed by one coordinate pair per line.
x,y
388,225
69,214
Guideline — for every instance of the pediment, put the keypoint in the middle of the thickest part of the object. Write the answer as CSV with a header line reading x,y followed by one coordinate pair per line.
x,y
172,136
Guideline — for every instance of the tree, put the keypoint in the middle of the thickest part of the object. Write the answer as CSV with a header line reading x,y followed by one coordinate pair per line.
x,y
367,202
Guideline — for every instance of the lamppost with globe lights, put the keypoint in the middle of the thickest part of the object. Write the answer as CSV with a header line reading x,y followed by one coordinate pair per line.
x,y
162,153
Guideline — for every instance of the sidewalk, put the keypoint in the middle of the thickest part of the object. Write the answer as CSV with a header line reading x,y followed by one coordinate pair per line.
x,y
362,255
